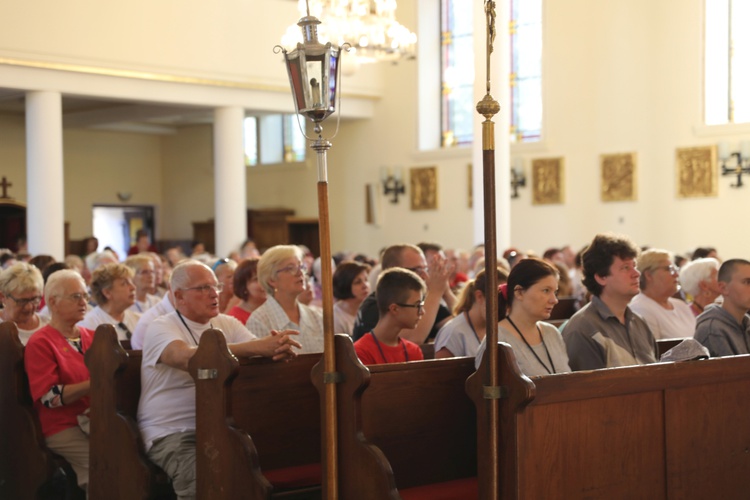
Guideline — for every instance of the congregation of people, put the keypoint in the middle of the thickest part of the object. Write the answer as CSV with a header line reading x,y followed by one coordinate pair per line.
x,y
268,303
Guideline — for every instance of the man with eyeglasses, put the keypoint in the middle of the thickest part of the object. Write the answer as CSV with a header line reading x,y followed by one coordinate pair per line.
x,y
21,288
166,410
435,276
667,317
606,333
725,328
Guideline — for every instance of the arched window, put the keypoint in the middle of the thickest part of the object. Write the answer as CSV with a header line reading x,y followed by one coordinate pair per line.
x,y
457,73
526,70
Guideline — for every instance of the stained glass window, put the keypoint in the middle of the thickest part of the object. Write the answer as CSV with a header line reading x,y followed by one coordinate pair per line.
x,y
526,70
457,73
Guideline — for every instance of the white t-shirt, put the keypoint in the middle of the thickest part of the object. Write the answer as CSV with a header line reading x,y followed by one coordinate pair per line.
x,y
167,403
458,337
163,307
97,316
676,323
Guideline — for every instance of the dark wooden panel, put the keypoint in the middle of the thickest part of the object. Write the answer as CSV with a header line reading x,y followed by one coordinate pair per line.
x,y
598,448
708,439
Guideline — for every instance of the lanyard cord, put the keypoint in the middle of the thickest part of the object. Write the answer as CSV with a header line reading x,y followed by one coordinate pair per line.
x,y
188,328
377,343
471,325
533,351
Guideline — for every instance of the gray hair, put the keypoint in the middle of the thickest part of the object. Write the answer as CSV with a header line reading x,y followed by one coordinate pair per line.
x,y
181,274
57,281
21,278
270,260
695,272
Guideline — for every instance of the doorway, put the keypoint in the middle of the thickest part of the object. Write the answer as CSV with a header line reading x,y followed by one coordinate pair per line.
x,y
115,225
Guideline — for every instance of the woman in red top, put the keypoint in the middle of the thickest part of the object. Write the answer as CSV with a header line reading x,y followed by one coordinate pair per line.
x,y
58,377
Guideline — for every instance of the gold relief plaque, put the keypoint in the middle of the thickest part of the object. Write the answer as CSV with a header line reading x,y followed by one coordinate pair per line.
x,y
547,179
471,186
697,173
423,188
618,177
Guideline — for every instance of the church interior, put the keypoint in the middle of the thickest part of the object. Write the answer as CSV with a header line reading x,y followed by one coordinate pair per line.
x,y
141,83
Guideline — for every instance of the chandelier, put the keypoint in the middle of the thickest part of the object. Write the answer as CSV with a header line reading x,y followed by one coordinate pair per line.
x,y
368,26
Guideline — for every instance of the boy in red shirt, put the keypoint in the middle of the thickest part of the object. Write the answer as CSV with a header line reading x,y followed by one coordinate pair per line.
x,y
400,295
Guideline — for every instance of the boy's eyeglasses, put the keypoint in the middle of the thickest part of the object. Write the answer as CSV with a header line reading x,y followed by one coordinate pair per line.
x,y
419,306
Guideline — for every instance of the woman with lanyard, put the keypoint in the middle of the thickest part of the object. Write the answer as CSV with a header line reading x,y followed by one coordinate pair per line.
x,y
462,335
523,304
113,290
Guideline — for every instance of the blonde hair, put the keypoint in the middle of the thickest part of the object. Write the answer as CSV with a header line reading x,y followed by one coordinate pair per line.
x,y
21,278
650,260
270,260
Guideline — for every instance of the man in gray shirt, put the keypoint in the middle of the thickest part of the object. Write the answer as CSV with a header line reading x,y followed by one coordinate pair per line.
x,y
606,333
725,329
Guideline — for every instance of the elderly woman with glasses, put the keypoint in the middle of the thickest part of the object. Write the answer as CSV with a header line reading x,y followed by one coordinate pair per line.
x,y
282,275
114,293
666,316
58,377
21,288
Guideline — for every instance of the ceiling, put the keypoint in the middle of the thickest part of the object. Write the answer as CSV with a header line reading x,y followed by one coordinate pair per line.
x,y
115,115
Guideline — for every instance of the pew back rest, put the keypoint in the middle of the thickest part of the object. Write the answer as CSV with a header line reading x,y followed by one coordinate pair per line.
x,y
25,461
402,425
277,404
119,468
667,430
241,404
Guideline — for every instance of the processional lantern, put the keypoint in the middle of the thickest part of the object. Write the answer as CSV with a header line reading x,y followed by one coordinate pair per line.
x,y
314,71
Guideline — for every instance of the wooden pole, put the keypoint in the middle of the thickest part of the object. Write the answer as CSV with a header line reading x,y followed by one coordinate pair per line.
x,y
488,107
321,146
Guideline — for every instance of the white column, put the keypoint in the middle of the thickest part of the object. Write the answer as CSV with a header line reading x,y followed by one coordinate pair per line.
x,y
45,221
500,90
230,190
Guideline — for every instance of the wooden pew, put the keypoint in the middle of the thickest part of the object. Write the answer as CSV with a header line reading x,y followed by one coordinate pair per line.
x,y
565,308
405,430
26,464
667,430
257,425
118,465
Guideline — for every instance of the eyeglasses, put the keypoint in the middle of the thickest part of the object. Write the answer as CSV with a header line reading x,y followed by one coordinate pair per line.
x,y
671,268
77,297
25,302
419,306
146,272
204,289
418,270
293,269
